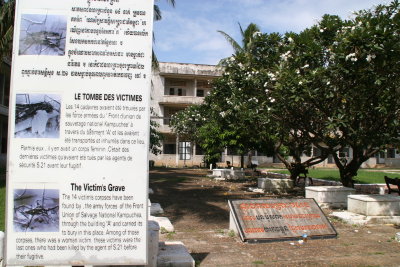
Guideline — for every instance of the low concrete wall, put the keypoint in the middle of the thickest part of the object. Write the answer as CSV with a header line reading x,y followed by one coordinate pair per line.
x,y
392,163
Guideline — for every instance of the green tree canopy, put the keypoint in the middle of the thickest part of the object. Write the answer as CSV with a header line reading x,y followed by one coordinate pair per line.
x,y
334,85
6,27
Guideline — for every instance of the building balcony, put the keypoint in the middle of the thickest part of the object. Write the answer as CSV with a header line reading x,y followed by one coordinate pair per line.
x,y
181,100
185,69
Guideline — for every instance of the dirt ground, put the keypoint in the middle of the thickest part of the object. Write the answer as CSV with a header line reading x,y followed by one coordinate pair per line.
x,y
197,207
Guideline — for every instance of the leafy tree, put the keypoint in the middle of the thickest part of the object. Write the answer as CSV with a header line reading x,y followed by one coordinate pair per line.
x,y
343,77
290,140
6,27
334,85
195,124
155,137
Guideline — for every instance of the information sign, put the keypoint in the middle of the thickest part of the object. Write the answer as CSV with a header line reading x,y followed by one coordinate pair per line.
x,y
279,219
77,179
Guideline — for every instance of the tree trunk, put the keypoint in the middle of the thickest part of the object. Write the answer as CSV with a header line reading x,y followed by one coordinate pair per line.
x,y
296,169
291,167
249,157
241,160
294,173
348,170
346,177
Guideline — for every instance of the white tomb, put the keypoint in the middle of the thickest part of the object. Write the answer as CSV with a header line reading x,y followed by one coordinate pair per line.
x,y
330,196
174,253
275,185
374,205
229,174
156,209
375,209
153,234
164,223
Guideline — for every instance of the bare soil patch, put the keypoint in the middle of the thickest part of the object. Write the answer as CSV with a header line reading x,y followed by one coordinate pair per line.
x,y
198,208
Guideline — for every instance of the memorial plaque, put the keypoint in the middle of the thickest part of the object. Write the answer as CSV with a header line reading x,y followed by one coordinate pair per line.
x,y
280,219
77,176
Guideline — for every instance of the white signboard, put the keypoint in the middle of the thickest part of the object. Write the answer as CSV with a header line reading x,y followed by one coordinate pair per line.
x,y
77,184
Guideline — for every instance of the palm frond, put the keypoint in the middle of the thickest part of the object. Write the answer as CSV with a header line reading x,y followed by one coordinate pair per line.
x,y
157,16
172,2
248,35
6,42
157,13
241,29
154,61
236,47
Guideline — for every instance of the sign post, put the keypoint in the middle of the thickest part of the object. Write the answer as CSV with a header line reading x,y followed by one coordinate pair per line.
x,y
77,180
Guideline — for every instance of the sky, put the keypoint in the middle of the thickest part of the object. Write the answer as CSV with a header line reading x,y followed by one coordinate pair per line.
x,y
188,32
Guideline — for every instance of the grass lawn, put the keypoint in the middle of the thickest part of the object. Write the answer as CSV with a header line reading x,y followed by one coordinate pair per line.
x,y
365,176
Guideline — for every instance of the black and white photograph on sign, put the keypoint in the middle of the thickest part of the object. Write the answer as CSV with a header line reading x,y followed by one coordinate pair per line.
x,y
42,34
36,210
37,116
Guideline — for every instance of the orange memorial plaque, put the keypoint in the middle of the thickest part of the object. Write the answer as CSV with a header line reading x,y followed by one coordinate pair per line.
x,y
280,219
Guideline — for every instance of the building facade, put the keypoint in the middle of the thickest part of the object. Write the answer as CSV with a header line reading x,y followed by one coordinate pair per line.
x,y
176,86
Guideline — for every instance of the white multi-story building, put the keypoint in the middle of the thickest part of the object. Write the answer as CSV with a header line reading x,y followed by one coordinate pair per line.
x,y
176,86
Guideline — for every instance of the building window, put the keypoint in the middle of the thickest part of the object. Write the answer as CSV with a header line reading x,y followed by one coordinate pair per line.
x,y
316,152
175,87
391,153
169,148
344,152
177,91
330,159
199,150
185,150
203,88
200,93
181,92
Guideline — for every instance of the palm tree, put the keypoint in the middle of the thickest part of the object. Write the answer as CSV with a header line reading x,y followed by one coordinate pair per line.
x,y
157,11
247,39
241,49
157,17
